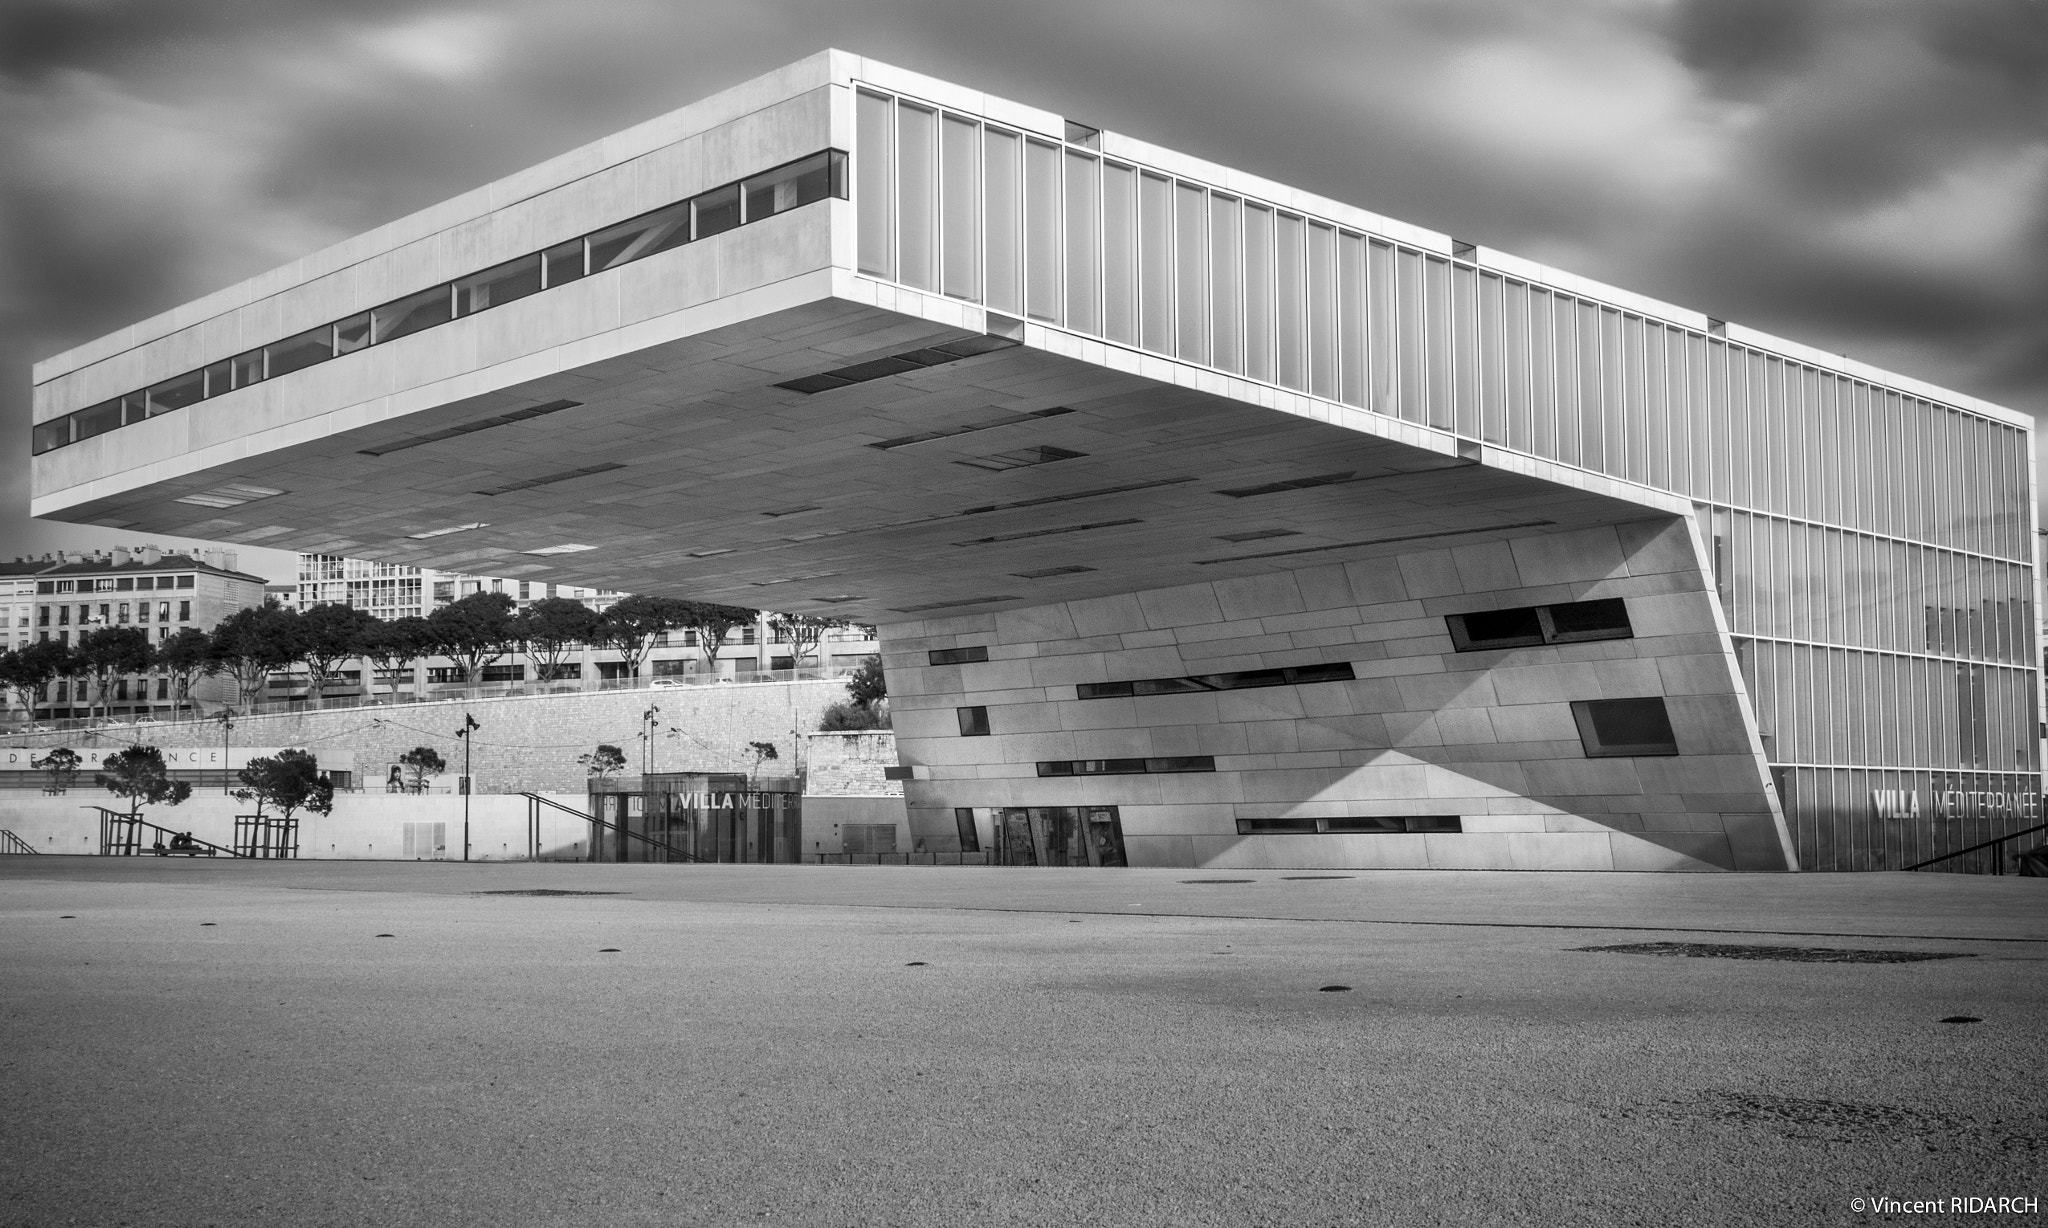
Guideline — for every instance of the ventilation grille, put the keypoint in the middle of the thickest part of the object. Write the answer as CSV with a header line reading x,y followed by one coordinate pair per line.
x,y
1070,528
1376,541
897,364
904,441
551,478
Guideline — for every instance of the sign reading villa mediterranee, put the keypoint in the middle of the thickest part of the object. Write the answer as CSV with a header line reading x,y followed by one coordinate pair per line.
x,y
1952,804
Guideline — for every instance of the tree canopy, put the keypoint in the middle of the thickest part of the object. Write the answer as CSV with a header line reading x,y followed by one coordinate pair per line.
x,y
330,634
139,775
392,646
474,632
803,632
712,622
109,653
630,625
248,644
288,781
602,763
419,763
551,629
183,658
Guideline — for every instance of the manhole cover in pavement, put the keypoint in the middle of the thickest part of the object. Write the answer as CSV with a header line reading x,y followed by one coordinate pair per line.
x,y
1797,955
546,891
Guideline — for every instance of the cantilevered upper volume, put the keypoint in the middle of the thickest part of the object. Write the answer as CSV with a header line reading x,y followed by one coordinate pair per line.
x,y
849,339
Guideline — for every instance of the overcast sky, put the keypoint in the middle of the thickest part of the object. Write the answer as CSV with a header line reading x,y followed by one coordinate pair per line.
x,y
1867,176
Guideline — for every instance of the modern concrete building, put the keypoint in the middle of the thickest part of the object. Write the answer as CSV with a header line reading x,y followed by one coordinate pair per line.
x,y
1207,521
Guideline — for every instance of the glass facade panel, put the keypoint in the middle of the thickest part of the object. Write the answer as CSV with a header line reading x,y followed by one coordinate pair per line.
x,y
960,194
313,345
1191,271
1258,293
631,240
411,314
875,183
917,230
1226,272
1043,257
515,279
1120,253
1003,166
1290,298
1155,263
1322,311
1351,317
1084,254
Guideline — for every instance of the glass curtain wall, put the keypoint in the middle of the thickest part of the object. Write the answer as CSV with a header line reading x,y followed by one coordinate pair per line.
x,y
1872,548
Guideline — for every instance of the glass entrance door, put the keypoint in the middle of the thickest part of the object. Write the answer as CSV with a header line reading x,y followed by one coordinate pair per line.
x,y
1059,836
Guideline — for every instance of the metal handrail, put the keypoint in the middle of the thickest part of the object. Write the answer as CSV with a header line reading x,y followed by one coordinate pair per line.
x,y
1997,859
134,844
11,843
535,801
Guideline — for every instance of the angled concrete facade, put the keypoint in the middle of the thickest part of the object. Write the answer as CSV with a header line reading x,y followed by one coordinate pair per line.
x,y
1487,736
1615,585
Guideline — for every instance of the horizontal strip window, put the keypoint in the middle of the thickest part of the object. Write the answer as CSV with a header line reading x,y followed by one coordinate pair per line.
x,y
1127,767
1375,825
1624,728
1568,622
958,656
1293,675
818,177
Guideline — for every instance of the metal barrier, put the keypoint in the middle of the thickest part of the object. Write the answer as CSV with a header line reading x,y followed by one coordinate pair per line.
x,y
901,859
13,844
121,836
449,693
1997,857
535,801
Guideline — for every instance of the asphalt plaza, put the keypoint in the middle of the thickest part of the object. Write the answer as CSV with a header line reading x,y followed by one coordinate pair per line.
x,y
221,1043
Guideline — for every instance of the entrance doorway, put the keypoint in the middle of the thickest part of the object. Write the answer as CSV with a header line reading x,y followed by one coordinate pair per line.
x,y
1059,836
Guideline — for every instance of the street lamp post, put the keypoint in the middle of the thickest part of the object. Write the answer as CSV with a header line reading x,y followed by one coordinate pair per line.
x,y
648,726
226,724
469,726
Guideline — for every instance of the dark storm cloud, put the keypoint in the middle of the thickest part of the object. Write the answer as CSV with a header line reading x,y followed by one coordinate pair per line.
x,y
1870,176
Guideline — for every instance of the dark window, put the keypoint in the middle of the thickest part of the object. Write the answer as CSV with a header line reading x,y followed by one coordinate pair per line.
x,y
716,211
53,434
183,582
98,420
1275,827
352,334
1565,623
411,314
564,262
1484,629
295,353
1615,728
249,368
46,586
1373,825
504,673
124,584
799,183
1335,671
973,722
970,836
641,236
1589,620
177,393
1126,767
958,656
515,279
220,377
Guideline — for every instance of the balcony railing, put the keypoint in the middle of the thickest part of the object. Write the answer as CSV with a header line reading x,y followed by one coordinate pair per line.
x,y
435,693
